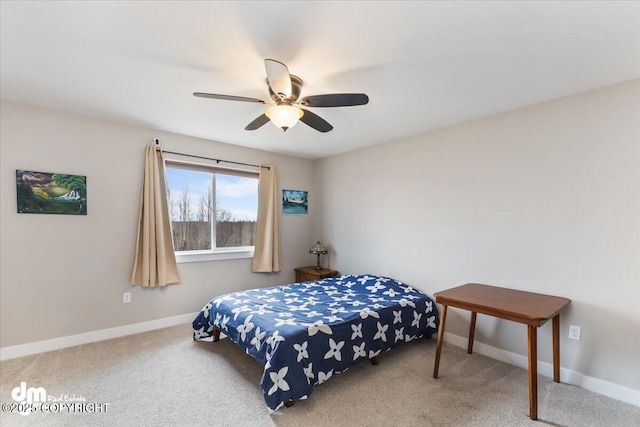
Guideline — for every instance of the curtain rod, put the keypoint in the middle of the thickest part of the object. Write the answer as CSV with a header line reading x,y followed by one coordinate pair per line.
x,y
216,160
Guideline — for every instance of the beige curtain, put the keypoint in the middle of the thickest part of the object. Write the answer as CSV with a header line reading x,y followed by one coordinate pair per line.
x,y
266,257
155,261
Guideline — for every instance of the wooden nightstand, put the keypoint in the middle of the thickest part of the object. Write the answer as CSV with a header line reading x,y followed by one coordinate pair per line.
x,y
308,274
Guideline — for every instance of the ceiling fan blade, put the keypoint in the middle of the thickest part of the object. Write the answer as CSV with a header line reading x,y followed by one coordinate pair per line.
x,y
335,100
258,122
278,77
228,97
315,121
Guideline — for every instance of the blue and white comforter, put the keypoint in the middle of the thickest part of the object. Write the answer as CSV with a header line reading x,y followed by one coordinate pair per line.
x,y
304,333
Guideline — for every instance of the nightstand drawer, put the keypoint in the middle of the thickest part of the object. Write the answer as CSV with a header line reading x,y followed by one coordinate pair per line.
x,y
309,274
302,277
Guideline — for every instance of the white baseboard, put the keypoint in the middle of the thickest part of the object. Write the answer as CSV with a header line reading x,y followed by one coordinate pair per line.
x,y
596,385
89,337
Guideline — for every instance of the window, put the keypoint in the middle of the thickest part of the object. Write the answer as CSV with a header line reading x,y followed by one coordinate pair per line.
x,y
213,211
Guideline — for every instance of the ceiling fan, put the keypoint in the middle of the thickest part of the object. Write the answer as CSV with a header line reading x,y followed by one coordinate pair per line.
x,y
284,89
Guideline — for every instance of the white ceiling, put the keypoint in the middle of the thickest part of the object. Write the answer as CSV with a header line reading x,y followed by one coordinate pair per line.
x,y
424,65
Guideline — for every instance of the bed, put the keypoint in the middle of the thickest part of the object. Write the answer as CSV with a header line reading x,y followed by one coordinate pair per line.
x,y
303,333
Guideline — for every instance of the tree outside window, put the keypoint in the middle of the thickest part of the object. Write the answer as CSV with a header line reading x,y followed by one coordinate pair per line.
x,y
211,210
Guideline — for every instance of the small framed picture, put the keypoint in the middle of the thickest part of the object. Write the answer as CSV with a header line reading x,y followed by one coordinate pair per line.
x,y
295,202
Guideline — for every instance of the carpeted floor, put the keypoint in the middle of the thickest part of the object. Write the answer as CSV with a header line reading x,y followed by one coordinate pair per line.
x,y
163,378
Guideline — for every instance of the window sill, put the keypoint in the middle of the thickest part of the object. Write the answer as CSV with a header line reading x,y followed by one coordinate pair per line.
x,y
217,255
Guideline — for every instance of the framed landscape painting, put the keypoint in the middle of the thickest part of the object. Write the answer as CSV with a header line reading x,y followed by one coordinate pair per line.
x,y
51,193
295,202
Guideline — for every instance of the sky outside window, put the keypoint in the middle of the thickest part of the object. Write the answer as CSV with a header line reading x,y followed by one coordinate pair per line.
x,y
236,194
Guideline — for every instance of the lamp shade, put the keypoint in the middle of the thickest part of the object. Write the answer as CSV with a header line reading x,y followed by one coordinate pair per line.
x,y
284,116
318,248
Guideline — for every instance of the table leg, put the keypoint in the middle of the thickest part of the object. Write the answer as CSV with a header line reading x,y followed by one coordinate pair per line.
x,y
532,336
556,347
443,317
472,332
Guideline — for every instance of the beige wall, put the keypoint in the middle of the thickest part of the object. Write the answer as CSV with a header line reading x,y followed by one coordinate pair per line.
x,y
545,199
62,275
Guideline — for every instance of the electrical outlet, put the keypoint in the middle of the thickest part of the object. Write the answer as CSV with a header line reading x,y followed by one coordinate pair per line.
x,y
126,297
574,332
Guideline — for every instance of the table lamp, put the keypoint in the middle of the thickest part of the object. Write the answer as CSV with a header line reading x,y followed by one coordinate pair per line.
x,y
318,249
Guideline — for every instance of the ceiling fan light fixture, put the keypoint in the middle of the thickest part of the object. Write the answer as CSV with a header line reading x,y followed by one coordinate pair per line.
x,y
284,116
284,110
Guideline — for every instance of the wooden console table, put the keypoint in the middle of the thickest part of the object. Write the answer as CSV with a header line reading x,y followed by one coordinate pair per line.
x,y
529,308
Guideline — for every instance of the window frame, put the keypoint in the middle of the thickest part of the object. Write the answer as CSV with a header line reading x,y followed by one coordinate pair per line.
x,y
216,254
